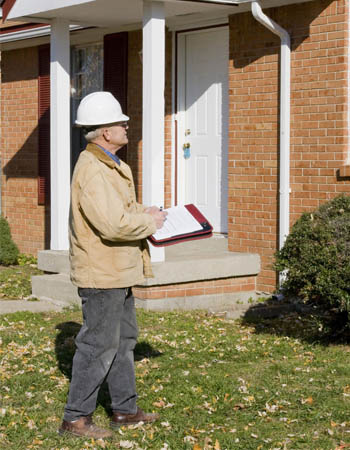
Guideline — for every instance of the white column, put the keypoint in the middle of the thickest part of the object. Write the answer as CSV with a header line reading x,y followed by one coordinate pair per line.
x,y
153,56
60,133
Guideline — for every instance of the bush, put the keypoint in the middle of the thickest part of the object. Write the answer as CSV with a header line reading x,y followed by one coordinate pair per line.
x,y
316,256
24,260
8,249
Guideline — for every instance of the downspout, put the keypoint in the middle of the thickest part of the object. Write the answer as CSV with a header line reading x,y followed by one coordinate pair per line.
x,y
284,180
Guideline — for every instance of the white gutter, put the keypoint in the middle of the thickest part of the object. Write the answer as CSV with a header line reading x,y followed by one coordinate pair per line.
x,y
284,181
30,33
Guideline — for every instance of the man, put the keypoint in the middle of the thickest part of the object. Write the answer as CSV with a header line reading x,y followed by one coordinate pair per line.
x,y
108,254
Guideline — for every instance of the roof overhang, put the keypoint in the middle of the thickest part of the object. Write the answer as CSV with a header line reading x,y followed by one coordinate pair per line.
x,y
108,13
102,13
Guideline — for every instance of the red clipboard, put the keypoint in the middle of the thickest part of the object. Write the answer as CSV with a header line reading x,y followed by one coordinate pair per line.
x,y
205,230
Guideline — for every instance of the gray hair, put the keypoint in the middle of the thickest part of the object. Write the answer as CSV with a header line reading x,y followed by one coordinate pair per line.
x,y
91,133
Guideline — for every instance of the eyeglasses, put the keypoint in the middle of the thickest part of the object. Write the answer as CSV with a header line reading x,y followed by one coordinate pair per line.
x,y
123,124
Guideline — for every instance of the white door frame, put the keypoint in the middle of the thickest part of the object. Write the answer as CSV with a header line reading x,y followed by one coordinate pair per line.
x,y
180,78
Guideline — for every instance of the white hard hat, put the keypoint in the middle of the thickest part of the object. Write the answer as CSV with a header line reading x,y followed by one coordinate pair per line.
x,y
99,108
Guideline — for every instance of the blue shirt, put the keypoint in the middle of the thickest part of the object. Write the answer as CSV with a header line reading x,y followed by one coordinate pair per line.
x,y
114,157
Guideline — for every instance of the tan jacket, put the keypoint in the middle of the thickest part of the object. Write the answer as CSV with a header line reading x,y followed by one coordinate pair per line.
x,y
107,228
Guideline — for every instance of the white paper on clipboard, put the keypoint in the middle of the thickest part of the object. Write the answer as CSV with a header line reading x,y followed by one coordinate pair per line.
x,y
178,221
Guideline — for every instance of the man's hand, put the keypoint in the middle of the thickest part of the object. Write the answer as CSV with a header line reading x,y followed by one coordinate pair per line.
x,y
158,215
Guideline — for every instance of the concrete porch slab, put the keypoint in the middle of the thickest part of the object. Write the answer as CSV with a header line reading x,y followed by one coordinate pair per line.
x,y
194,261
55,287
207,266
54,261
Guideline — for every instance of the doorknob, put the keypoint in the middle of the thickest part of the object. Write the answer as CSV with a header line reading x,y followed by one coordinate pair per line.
x,y
187,132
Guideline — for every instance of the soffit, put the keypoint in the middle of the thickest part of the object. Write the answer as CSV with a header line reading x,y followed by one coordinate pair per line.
x,y
108,13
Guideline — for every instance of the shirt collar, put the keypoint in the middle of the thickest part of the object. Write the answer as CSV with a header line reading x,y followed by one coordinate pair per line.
x,y
114,157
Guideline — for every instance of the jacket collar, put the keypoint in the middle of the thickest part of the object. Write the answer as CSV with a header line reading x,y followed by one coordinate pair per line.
x,y
103,157
100,154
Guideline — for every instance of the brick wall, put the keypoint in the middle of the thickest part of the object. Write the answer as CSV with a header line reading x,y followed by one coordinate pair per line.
x,y
210,287
19,148
135,113
318,121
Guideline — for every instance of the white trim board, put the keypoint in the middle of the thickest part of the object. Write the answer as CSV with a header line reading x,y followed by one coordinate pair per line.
x,y
183,23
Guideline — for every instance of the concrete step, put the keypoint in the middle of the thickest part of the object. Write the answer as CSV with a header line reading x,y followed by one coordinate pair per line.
x,y
215,244
204,266
59,290
192,261
54,261
57,261
56,287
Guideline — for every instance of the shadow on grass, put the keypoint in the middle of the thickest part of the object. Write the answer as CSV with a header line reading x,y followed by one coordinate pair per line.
x,y
292,318
65,349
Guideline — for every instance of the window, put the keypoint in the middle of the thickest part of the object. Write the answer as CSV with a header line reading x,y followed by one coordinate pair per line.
x,y
87,70
86,77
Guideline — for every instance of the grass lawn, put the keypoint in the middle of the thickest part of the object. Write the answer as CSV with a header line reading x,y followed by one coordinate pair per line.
x,y
15,281
217,384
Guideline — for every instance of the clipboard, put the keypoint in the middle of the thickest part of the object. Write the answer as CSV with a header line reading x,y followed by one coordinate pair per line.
x,y
205,230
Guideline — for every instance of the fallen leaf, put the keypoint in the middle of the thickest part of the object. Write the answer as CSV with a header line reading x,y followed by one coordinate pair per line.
x,y
31,425
126,444
239,406
190,439
333,424
159,404
308,400
217,445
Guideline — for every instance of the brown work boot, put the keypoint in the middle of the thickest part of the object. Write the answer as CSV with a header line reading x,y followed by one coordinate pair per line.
x,y
84,427
120,419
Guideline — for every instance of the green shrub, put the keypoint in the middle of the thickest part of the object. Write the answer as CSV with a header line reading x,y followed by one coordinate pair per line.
x,y
24,259
8,249
316,256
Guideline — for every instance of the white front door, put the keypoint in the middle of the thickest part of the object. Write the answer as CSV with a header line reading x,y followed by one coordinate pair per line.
x,y
203,122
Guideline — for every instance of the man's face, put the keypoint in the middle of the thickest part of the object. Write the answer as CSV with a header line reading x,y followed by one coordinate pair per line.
x,y
117,134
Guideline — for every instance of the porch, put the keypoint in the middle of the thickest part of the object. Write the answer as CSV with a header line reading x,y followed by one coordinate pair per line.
x,y
195,275
161,169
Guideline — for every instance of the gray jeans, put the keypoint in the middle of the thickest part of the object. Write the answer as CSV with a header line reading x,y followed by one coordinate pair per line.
x,y
105,350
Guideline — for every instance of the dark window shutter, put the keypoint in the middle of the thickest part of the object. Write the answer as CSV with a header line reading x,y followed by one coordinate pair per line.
x,y
116,71
44,126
